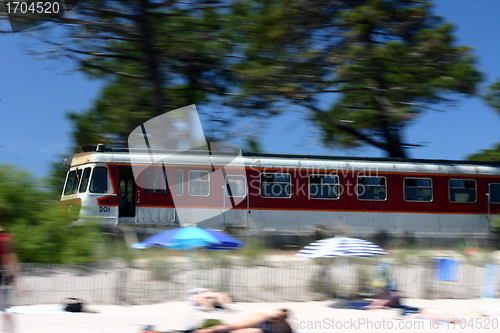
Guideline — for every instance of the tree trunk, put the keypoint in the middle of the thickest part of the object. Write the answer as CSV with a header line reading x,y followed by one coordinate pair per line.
x,y
393,144
151,60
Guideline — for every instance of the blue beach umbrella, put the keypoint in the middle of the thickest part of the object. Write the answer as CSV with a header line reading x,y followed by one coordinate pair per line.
x,y
190,238
340,247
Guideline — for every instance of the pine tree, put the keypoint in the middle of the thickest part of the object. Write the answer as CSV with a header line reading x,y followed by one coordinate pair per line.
x,y
154,56
364,72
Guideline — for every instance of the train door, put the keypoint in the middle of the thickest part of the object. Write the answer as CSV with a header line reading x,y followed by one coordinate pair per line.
x,y
126,195
493,204
235,202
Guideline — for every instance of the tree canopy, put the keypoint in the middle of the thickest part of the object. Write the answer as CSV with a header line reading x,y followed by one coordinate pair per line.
x,y
154,56
364,72
492,97
362,69
42,233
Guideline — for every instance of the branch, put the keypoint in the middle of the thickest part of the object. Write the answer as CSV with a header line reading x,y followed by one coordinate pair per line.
x,y
114,28
105,55
106,70
365,138
387,105
421,106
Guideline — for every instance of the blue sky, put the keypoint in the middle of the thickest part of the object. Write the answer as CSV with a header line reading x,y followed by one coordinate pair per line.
x,y
35,95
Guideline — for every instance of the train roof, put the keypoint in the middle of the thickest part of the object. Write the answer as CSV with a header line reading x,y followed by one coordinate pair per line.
x,y
95,154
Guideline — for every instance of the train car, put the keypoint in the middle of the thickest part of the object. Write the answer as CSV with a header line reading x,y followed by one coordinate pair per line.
x,y
286,193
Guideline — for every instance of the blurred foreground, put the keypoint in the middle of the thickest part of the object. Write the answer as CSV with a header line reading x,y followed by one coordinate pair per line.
x,y
476,315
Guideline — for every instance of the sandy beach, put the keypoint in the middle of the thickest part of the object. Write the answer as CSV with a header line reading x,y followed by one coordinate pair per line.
x,y
475,316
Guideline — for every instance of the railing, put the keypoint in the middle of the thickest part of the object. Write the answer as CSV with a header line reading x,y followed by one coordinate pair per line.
x,y
273,280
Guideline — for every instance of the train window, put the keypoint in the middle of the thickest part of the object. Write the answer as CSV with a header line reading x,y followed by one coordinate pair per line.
x,y
99,180
199,183
179,182
418,189
156,181
275,185
126,188
147,180
236,186
123,189
72,182
462,190
495,193
372,188
324,187
85,180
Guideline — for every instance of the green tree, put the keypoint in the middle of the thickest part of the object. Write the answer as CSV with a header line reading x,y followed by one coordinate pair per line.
x,y
364,73
42,233
364,69
492,97
252,145
487,155
54,183
154,56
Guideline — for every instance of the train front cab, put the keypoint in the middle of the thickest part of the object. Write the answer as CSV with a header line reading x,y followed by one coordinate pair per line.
x,y
87,189
108,193
494,207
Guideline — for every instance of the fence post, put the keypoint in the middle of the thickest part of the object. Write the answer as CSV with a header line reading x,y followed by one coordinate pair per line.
x,y
121,283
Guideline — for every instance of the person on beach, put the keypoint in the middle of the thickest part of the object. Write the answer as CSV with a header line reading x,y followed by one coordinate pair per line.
x,y
390,299
210,300
385,300
9,275
255,323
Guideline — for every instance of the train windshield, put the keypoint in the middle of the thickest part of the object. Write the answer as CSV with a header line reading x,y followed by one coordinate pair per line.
x,y
72,182
99,181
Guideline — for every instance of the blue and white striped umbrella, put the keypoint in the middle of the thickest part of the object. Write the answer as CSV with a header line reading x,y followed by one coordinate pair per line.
x,y
340,246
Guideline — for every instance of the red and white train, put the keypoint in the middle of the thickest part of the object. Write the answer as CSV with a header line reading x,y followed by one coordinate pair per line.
x,y
286,193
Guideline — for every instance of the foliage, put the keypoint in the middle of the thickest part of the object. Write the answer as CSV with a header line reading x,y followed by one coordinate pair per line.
x,y
487,155
54,183
154,57
42,233
492,97
254,252
364,71
252,145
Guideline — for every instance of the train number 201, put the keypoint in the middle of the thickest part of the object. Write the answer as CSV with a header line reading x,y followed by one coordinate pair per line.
x,y
103,209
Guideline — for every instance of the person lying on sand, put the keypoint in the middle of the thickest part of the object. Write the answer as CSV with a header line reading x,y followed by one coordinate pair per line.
x,y
255,323
210,300
385,300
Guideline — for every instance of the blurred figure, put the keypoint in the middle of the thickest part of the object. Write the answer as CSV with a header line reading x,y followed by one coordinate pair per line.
x,y
210,300
256,323
385,300
9,275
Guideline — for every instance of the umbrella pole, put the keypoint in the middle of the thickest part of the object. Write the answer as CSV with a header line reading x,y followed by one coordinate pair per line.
x,y
191,282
